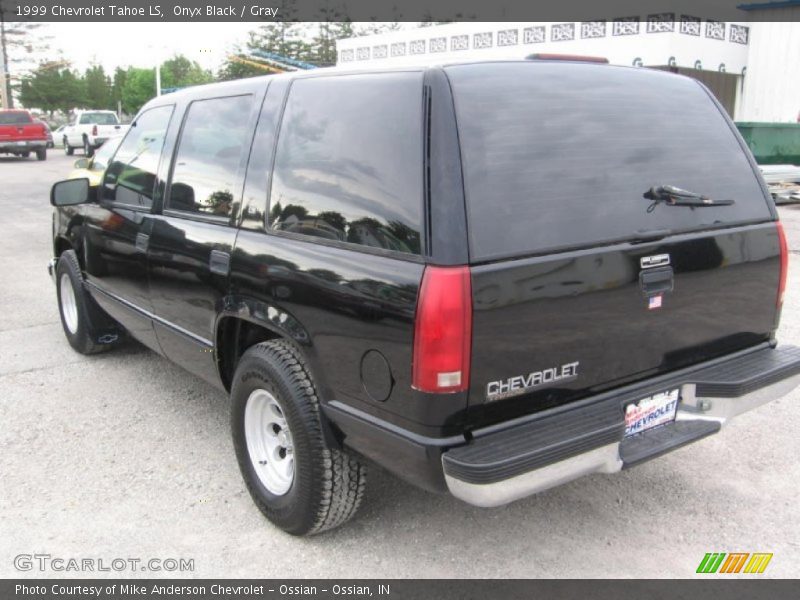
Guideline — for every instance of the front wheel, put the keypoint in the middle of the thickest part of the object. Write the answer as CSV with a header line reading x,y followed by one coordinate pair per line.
x,y
295,479
89,330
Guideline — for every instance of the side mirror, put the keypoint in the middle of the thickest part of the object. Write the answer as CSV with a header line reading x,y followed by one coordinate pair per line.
x,y
70,192
82,163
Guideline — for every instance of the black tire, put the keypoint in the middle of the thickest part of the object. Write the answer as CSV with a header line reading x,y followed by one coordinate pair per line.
x,y
68,150
88,149
328,484
93,330
25,154
41,154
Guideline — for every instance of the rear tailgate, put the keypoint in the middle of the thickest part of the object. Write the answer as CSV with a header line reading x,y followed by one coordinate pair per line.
x,y
580,283
18,127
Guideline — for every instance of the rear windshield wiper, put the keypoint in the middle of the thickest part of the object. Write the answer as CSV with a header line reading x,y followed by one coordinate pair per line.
x,y
674,196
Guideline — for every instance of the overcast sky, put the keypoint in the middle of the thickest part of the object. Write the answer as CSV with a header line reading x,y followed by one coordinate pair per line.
x,y
141,44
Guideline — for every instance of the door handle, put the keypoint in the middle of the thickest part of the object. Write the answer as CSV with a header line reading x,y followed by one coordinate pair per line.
x,y
219,262
656,281
142,242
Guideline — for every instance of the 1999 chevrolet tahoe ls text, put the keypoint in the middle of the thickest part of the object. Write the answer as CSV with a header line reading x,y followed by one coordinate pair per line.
x,y
488,278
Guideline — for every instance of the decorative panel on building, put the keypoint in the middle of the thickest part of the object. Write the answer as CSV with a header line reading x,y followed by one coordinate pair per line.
x,y
562,32
508,37
660,22
593,29
740,34
715,30
690,25
459,42
533,35
626,26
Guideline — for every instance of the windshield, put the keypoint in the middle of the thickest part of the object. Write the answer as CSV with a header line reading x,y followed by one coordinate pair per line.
x,y
562,155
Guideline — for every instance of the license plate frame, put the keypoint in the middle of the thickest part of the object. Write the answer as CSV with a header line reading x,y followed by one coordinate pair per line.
x,y
651,411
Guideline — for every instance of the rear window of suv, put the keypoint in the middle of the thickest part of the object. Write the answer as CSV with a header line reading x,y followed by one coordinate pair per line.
x,y
559,155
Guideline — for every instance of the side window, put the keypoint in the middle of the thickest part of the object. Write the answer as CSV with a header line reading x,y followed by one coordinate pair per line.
x,y
214,136
348,165
130,178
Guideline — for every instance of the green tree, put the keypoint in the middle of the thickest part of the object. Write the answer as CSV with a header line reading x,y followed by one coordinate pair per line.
x,y
98,88
51,89
324,43
139,87
179,71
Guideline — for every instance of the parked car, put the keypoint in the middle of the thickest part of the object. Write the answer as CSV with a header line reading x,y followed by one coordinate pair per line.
x,y
488,278
89,129
58,135
93,167
20,134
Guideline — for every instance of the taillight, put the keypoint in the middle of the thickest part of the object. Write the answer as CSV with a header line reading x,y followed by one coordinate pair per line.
x,y
443,331
94,130
784,262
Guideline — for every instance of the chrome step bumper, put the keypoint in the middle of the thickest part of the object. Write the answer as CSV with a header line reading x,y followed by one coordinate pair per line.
x,y
510,461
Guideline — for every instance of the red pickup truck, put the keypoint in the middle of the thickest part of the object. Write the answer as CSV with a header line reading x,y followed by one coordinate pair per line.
x,y
20,134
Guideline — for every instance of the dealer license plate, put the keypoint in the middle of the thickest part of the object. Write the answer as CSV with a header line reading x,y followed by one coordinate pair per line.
x,y
650,412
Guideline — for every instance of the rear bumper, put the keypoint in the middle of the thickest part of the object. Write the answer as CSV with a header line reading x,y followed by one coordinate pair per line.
x,y
23,146
512,460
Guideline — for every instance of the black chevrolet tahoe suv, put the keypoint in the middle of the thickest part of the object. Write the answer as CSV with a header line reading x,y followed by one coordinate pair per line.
x,y
488,278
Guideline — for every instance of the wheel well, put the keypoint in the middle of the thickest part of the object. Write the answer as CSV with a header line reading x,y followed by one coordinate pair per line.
x,y
62,246
234,337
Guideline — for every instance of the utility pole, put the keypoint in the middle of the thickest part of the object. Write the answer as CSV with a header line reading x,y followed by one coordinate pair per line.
x,y
5,95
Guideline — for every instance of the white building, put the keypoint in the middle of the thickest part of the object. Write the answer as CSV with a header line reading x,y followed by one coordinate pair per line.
x,y
752,67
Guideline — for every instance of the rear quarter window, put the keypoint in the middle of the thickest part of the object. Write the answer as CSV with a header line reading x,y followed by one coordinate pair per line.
x,y
559,155
348,162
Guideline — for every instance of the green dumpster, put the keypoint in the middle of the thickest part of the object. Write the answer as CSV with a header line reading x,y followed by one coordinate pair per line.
x,y
773,143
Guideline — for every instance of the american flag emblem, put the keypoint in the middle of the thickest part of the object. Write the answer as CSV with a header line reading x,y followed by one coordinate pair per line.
x,y
654,302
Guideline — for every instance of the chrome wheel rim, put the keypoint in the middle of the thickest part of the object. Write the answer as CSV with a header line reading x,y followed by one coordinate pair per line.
x,y
69,306
269,442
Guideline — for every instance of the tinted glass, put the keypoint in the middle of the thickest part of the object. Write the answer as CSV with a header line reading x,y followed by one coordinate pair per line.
x,y
348,165
14,118
559,155
98,119
131,176
214,136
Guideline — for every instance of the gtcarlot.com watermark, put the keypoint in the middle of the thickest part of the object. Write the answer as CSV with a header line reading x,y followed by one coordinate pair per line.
x,y
59,564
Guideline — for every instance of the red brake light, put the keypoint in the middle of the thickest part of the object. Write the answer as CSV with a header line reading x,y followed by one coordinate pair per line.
x,y
784,262
94,130
443,331
568,57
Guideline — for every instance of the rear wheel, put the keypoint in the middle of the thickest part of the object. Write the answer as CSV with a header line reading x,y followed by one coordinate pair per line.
x,y
41,154
295,479
88,149
88,329
68,150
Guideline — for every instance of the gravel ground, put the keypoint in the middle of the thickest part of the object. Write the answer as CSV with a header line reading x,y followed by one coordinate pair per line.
x,y
125,455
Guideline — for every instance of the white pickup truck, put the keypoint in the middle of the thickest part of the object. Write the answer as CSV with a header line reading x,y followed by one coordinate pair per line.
x,y
89,129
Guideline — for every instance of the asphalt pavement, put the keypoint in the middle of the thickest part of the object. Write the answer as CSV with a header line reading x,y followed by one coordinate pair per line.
x,y
125,455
